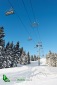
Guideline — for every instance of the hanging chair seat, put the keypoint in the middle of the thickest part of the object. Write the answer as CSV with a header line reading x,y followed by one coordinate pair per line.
x,y
29,38
10,12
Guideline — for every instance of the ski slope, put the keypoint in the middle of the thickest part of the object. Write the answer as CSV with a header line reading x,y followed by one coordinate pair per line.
x,y
31,74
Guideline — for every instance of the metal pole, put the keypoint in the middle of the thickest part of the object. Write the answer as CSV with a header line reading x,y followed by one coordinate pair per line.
x,y
39,56
39,45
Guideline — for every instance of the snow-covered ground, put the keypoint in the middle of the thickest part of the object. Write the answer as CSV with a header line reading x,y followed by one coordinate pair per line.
x,y
31,74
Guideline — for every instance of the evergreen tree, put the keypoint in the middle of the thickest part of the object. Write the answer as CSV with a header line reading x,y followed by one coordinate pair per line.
x,y
4,64
1,57
2,35
2,44
17,45
32,59
11,45
37,58
28,58
7,45
10,54
21,50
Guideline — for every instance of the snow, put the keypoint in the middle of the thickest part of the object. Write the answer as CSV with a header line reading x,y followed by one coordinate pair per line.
x,y
31,74
43,61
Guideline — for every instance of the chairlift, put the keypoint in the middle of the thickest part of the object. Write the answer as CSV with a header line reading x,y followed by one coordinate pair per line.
x,y
29,38
34,24
11,11
36,45
40,44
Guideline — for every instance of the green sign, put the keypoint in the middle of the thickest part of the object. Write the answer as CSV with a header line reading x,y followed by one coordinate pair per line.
x,y
5,78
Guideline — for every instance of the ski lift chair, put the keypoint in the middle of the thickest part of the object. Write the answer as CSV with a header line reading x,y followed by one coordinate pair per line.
x,y
36,45
11,11
34,24
29,38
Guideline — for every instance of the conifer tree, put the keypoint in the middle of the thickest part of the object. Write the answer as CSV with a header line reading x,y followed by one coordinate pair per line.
x,y
32,59
2,35
7,45
28,60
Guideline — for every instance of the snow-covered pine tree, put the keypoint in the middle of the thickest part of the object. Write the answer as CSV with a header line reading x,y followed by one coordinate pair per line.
x,y
28,58
15,55
2,44
34,57
7,45
21,51
2,35
17,51
1,57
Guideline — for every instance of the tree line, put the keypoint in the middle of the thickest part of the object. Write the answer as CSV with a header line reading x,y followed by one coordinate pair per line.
x,y
11,55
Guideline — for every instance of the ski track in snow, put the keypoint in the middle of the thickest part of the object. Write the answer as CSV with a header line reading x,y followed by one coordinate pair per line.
x,y
33,74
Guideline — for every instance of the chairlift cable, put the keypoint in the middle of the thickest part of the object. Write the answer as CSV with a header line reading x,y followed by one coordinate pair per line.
x,y
10,4
32,10
34,18
28,15
26,10
20,19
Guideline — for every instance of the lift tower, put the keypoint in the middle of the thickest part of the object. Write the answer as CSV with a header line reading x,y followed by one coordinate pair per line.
x,y
39,45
